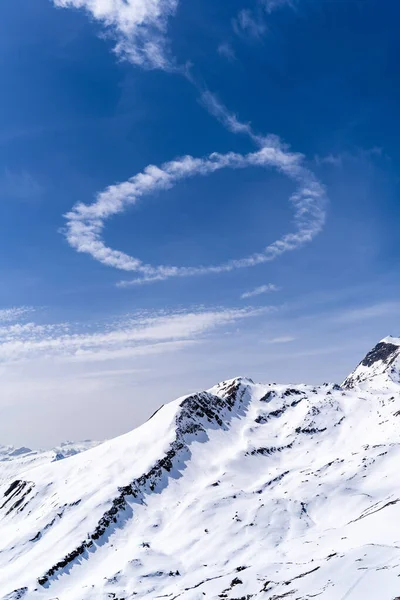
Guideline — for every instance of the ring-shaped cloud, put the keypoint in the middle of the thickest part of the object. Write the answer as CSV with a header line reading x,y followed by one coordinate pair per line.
x,y
85,223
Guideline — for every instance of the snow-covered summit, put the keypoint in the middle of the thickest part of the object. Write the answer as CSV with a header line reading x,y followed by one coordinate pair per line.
x,y
245,491
380,366
391,340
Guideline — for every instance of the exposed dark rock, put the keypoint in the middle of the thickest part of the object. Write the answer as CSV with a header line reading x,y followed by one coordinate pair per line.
x,y
16,594
18,491
268,396
272,481
12,487
296,402
58,456
155,412
291,392
280,596
383,351
270,450
79,551
302,575
310,430
261,419
196,412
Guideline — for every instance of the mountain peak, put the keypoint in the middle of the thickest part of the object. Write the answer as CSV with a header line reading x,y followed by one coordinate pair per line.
x,y
382,360
391,340
216,492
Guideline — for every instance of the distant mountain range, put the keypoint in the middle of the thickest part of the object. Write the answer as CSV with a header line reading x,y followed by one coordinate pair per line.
x,y
244,491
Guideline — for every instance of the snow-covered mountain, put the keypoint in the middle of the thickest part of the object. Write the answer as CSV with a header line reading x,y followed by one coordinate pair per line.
x,y
380,366
18,460
245,491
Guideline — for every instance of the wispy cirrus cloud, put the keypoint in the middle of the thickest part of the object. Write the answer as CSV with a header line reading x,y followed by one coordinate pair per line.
x,y
262,289
271,5
252,22
225,49
334,160
139,27
232,123
137,335
358,154
249,23
283,339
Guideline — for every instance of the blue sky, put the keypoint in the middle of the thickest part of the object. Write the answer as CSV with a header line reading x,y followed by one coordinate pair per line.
x,y
94,91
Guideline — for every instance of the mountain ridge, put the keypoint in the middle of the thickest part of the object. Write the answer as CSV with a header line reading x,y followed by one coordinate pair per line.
x,y
242,491
383,359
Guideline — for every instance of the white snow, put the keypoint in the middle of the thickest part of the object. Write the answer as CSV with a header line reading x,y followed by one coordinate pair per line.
x,y
246,491
391,340
15,461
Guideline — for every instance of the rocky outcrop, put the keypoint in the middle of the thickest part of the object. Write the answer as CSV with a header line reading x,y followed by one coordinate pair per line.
x,y
197,414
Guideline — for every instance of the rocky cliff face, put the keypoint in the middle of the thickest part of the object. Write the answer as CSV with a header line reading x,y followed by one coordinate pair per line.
x,y
383,361
244,491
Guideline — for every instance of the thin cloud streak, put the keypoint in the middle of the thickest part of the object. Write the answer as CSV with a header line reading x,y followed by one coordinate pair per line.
x,y
284,339
262,289
135,336
231,122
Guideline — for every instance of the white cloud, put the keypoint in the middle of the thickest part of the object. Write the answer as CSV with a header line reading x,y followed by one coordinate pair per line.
x,y
284,339
135,336
262,289
56,377
139,27
227,51
12,314
253,22
231,122
249,23
31,330
271,5
85,223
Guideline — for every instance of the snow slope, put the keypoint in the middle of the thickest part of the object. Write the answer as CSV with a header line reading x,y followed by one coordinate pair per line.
x,y
15,461
245,491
